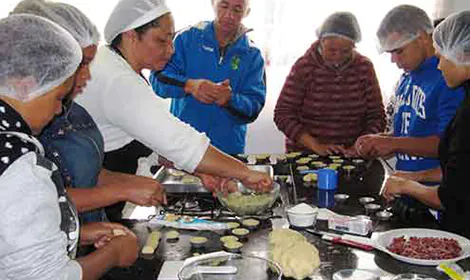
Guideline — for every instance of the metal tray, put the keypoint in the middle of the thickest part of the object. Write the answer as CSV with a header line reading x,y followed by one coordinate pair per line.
x,y
174,184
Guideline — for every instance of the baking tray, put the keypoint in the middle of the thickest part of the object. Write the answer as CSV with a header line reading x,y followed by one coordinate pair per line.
x,y
173,179
174,183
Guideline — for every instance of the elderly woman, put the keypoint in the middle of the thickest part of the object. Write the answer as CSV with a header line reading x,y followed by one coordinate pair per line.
x,y
74,143
452,43
331,96
39,230
134,122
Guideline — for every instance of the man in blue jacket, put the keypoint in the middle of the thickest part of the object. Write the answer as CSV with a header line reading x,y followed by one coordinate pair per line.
x,y
216,77
424,106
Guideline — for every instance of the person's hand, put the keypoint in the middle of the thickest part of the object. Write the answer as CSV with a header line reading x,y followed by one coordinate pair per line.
x,y
125,248
258,181
204,91
99,234
374,145
328,149
216,184
143,191
224,93
414,176
396,186
351,152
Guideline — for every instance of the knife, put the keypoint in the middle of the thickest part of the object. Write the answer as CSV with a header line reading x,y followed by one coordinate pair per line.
x,y
338,239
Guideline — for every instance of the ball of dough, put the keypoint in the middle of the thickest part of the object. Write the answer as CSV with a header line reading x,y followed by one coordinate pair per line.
x,y
277,236
300,260
291,250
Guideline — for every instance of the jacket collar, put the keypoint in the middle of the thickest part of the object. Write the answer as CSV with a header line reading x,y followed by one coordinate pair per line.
x,y
15,137
239,42
11,120
430,62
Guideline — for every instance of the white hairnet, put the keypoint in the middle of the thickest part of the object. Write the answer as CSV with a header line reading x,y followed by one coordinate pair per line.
x,y
67,16
401,26
36,55
452,38
341,24
130,14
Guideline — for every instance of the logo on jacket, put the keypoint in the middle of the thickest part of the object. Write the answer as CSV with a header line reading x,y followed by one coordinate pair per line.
x,y
208,49
235,63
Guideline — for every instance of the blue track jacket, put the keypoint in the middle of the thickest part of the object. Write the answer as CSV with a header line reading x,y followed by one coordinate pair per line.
x,y
198,56
424,107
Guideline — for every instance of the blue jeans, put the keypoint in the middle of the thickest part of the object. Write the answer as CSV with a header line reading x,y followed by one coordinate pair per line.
x,y
74,143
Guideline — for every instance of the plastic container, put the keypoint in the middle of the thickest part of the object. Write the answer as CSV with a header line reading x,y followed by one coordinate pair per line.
x,y
325,198
353,225
327,179
302,215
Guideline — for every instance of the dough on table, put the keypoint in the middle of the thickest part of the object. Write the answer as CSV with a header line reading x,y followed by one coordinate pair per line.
x,y
300,260
297,257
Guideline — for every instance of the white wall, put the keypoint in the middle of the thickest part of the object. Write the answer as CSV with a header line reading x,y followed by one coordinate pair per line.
x,y
443,8
283,30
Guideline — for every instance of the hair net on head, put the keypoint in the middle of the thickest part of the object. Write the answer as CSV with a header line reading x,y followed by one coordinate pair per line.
x,y
130,14
401,26
36,55
341,24
452,38
67,16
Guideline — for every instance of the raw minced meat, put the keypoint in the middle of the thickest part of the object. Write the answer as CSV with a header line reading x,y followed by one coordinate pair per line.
x,y
426,248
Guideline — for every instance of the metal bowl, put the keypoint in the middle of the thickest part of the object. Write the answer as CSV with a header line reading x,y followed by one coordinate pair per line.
x,y
246,202
372,207
244,267
365,200
352,274
413,276
384,215
341,197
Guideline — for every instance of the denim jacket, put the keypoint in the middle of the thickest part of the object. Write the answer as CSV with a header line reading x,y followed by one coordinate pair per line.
x,y
74,143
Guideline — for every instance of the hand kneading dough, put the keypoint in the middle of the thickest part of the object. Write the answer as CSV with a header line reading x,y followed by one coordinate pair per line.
x,y
291,250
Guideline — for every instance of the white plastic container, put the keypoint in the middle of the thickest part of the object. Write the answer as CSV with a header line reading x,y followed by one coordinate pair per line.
x,y
302,215
355,225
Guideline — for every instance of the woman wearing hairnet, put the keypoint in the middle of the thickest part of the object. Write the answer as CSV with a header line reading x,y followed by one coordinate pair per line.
x,y
134,122
331,96
39,229
73,142
452,43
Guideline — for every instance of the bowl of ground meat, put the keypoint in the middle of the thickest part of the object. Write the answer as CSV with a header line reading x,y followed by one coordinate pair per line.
x,y
423,246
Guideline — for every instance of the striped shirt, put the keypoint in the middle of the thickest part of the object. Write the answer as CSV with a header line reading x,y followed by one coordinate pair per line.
x,y
333,105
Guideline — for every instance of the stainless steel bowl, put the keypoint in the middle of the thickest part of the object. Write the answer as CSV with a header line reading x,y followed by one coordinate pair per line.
x,y
365,200
372,207
413,276
384,215
244,267
341,197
